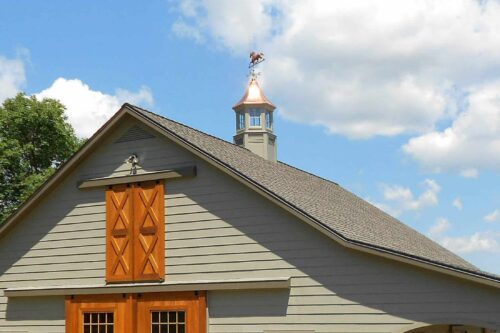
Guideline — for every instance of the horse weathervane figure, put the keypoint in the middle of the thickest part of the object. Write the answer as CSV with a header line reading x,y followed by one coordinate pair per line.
x,y
255,59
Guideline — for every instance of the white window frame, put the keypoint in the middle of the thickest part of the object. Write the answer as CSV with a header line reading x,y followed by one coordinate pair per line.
x,y
240,121
252,117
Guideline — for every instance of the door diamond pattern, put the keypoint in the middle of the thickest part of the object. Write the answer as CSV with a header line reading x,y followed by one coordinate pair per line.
x,y
149,230
135,217
119,249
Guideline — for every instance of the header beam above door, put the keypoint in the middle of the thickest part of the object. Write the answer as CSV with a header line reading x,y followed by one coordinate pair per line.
x,y
230,284
182,172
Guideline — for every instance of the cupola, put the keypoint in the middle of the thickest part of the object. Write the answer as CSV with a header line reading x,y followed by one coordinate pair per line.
x,y
254,121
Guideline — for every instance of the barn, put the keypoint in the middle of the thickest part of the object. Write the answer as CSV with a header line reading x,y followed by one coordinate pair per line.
x,y
153,226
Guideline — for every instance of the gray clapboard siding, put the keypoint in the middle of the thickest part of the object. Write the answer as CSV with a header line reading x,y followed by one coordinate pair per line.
x,y
218,229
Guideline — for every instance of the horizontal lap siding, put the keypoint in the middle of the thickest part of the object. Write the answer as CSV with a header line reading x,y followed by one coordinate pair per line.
x,y
218,229
62,240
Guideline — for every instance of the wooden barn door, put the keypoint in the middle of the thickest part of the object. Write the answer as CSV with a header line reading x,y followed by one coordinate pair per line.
x,y
119,234
176,312
149,233
182,312
135,232
99,314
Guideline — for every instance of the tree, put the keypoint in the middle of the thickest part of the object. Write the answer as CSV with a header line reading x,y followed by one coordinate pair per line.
x,y
35,138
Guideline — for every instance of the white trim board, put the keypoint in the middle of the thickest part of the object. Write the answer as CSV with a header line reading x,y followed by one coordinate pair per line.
x,y
230,284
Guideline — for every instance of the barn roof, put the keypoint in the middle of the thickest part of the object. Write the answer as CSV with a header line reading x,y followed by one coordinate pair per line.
x,y
331,208
341,211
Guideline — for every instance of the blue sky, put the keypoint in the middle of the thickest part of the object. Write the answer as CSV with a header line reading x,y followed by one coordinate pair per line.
x,y
399,104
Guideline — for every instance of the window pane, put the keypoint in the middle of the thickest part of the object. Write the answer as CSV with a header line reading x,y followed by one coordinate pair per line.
x,y
98,322
240,120
269,120
254,118
169,321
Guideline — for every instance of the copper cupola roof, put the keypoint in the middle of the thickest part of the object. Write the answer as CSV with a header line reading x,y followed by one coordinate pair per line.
x,y
254,95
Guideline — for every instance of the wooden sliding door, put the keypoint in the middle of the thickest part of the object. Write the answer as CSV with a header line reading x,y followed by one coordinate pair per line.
x,y
172,313
179,312
99,314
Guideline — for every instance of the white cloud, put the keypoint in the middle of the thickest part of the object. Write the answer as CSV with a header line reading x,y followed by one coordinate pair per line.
x,y
12,77
398,199
439,227
360,68
234,24
486,241
471,142
469,173
458,204
89,109
477,242
493,216
181,29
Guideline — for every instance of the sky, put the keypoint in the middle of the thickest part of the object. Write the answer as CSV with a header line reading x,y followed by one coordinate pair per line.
x,y
399,102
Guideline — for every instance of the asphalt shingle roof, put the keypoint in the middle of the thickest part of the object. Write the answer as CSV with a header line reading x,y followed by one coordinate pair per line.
x,y
339,210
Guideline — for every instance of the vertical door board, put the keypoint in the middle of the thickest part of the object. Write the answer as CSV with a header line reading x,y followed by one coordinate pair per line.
x,y
119,234
149,231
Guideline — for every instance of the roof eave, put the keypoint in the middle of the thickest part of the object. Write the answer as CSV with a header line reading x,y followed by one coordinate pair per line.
x,y
267,105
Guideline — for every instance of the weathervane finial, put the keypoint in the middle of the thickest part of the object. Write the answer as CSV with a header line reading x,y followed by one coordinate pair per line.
x,y
255,59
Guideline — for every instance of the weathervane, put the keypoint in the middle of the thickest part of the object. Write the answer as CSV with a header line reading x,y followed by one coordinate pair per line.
x,y
255,59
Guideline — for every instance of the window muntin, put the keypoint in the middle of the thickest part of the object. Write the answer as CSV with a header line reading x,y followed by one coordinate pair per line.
x,y
255,118
168,322
98,322
240,120
269,120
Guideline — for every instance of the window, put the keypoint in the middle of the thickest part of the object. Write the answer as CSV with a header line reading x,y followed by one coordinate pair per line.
x,y
269,120
168,321
98,322
255,118
240,120
135,232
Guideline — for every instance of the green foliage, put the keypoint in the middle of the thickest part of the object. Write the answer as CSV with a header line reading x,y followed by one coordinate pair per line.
x,y
35,138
